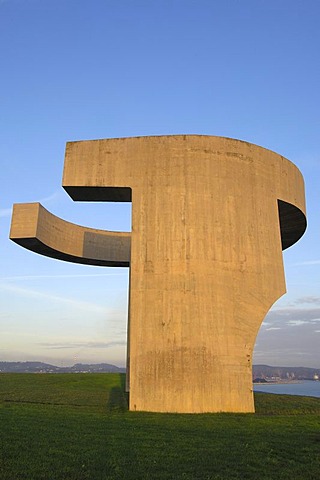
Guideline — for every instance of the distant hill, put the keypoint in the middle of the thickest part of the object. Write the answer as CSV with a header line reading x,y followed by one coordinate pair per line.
x,y
260,372
284,373
40,367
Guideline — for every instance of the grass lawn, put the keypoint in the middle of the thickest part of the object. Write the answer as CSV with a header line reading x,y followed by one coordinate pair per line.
x,y
77,426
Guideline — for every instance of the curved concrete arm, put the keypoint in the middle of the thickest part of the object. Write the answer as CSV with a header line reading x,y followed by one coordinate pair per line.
x,y
38,230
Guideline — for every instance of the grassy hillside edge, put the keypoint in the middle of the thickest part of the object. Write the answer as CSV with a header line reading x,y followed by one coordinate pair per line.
x,y
77,426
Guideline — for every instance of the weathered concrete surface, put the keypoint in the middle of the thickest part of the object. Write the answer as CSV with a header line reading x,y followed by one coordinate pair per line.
x,y
206,262
36,229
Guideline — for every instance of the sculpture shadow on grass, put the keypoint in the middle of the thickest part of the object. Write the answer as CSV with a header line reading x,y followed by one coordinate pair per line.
x,y
118,400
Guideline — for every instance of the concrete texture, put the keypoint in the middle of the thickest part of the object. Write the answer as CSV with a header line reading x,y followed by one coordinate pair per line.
x,y
36,229
210,216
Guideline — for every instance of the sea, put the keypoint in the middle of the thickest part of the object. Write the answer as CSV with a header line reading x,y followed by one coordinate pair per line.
x,y
307,388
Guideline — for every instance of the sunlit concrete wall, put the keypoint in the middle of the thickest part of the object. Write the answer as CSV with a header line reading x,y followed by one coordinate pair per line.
x,y
210,217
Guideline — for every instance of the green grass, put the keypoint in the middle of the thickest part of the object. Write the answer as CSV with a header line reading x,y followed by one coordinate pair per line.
x,y
76,427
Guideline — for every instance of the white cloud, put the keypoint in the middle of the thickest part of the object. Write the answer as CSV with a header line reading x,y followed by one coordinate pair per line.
x,y
296,323
293,313
27,292
5,212
308,299
67,345
306,263
36,277
53,197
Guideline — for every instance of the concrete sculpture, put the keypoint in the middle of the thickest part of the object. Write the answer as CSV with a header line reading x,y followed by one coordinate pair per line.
x,y
210,217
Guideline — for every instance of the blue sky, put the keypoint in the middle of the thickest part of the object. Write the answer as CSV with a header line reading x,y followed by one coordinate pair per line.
x,y
78,70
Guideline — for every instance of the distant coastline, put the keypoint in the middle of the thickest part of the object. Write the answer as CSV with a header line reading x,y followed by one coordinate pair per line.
x,y
282,382
305,388
261,374
41,367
